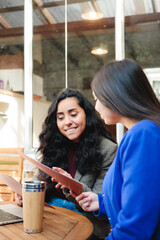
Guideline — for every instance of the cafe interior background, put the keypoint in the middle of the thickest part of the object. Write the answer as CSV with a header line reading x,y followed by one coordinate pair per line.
x,y
48,45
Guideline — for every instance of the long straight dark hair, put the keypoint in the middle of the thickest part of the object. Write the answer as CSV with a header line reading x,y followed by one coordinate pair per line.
x,y
123,87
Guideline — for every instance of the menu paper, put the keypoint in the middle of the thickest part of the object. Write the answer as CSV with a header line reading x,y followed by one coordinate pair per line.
x,y
11,182
68,182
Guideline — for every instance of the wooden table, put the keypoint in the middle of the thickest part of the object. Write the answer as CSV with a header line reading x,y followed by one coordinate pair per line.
x,y
58,224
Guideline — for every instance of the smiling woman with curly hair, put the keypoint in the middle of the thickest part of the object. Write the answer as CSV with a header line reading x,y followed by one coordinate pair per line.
x,y
75,139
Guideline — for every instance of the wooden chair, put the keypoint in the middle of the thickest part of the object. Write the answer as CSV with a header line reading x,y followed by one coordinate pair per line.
x,y
12,164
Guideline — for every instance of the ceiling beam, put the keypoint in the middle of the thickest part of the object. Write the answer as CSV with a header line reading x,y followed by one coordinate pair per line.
x,y
45,12
142,18
4,23
95,6
40,16
12,9
79,26
62,2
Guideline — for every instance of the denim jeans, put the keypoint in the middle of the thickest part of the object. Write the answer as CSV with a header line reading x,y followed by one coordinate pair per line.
x,y
64,203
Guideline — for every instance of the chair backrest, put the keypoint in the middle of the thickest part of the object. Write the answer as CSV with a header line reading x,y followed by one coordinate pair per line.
x,y
12,164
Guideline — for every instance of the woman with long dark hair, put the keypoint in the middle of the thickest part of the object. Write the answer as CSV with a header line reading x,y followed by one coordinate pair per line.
x,y
75,139
131,187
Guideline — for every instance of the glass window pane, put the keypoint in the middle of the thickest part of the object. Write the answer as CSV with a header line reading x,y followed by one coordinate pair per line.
x,y
49,49
142,37
11,73
91,41
142,32
11,43
48,59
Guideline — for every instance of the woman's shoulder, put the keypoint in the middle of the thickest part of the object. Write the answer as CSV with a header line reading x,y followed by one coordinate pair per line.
x,y
108,150
107,145
146,127
144,124
143,131
105,142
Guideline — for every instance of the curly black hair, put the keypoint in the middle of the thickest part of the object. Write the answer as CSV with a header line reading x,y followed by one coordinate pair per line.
x,y
54,146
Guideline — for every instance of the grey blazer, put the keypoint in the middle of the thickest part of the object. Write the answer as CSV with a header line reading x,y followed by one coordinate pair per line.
x,y
92,182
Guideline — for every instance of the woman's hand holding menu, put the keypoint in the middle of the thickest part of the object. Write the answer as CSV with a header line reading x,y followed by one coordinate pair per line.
x,y
64,173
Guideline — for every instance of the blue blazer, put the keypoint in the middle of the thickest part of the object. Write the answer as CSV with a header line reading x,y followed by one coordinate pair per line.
x,y
131,187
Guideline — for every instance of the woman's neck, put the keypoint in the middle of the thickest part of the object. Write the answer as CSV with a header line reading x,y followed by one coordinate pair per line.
x,y
128,123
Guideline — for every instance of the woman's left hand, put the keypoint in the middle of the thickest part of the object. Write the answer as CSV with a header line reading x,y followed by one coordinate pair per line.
x,y
64,173
88,201
18,199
